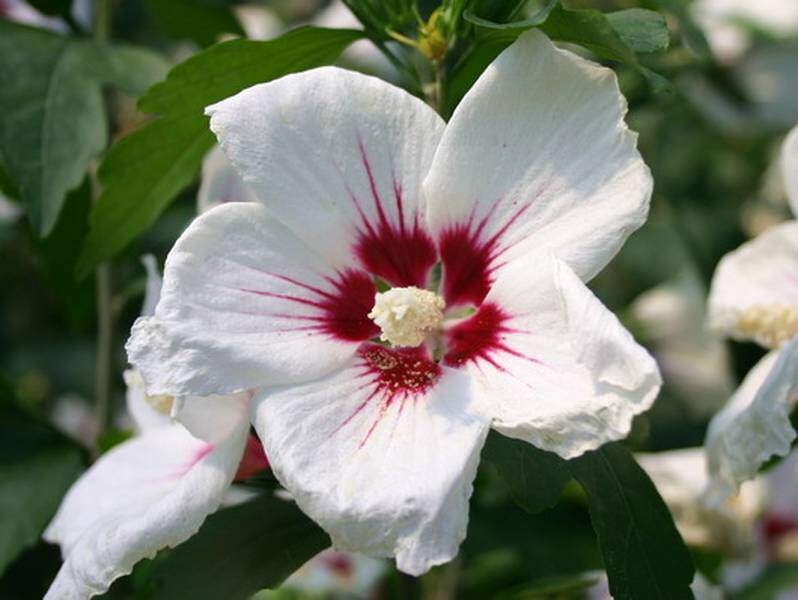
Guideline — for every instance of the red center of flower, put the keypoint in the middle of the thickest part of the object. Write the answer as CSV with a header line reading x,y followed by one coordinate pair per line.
x,y
403,372
393,375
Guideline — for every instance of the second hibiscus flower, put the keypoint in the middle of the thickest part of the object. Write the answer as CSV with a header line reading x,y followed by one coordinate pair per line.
x,y
403,285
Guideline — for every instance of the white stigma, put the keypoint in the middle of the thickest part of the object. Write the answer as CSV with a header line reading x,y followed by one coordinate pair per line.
x,y
771,325
406,315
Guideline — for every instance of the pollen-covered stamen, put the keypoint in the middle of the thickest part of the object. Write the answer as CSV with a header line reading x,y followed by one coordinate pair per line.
x,y
768,324
406,315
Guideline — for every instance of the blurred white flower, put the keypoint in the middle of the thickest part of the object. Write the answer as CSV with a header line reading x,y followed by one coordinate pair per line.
x,y
694,361
752,529
9,211
681,477
22,12
259,22
338,575
754,296
727,22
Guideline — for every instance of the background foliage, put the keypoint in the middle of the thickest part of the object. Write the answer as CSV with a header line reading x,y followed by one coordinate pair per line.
x,y
100,151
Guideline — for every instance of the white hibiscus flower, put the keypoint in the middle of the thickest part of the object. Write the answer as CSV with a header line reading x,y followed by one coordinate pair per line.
x,y
529,191
154,490
754,296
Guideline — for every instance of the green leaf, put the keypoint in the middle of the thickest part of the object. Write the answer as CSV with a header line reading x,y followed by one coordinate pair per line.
x,y
594,30
239,551
613,36
643,552
59,253
37,466
691,32
53,118
130,68
229,67
643,30
141,175
201,22
8,186
145,171
777,578
495,11
537,19
535,477
474,62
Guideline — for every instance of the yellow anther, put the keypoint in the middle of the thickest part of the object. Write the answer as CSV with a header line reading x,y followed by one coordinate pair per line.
x,y
768,324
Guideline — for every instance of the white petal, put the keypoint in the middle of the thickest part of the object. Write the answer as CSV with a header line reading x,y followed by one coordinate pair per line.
x,y
338,157
755,425
537,156
152,291
220,183
382,454
558,368
149,493
145,416
755,288
214,418
789,167
246,303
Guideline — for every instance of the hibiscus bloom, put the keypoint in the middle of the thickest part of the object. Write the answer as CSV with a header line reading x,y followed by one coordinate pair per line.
x,y
154,490
403,285
754,297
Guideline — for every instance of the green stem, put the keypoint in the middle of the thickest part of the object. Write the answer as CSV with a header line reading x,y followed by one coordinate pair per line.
x,y
440,88
105,321
102,20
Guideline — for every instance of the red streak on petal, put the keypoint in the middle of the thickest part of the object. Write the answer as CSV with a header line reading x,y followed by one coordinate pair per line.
x,y
401,254
469,259
253,461
343,311
393,375
481,337
199,454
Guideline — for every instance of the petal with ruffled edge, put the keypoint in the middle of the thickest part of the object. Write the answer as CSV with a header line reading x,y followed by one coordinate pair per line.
x,y
789,168
220,183
339,157
754,425
754,291
536,156
149,493
245,303
556,366
382,453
